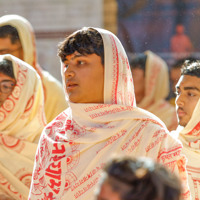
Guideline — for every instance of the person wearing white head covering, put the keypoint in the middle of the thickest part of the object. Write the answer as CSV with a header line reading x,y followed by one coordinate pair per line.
x,y
22,120
188,109
54,94
151,80
102,119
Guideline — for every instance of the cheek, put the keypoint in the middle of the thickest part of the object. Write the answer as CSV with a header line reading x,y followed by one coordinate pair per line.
x,y
192,105
138,80
96,84
3,97
18,54
95,79
139,84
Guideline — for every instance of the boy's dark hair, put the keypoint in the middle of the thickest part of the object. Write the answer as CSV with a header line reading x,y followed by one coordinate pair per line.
x,y
191,67
11,32
180,62
6,67
145,179
85,41
139,61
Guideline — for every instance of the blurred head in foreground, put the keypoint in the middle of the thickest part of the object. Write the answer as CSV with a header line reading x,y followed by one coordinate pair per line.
x,y
137,179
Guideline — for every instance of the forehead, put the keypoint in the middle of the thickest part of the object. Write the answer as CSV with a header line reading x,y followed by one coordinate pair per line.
x,y
73,56
5,41
2,75
188,81
137,70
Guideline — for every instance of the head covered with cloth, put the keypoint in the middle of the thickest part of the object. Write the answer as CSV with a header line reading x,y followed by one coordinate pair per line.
x,y
17,38
75,146
188,109
22,120
151,80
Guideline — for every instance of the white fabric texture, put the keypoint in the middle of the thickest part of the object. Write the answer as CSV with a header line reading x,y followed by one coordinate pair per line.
x,y
75,146
157,90
22,120
190,137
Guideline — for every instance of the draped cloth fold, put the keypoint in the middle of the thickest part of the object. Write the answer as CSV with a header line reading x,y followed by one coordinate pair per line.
x,y
53,91
190,137
157,90
75,146
21,123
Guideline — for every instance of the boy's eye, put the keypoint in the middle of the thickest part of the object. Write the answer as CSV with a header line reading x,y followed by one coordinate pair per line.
x,y
81,62
191,94
5,86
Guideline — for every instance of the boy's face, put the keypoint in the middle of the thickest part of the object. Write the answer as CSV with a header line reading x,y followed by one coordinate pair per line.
x,y
84,78
188,93
6,87
6,47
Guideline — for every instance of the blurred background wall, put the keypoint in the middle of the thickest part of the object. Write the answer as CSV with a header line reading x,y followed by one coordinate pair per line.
x,y
140,24
52,20
150,25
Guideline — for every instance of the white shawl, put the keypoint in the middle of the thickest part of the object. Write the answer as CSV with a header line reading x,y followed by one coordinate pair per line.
x,y
21,123
75,146
190,137
157,90
54,94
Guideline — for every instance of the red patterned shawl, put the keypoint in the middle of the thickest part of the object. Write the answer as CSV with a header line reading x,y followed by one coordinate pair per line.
x,y
55,101
75,146
21,123
190,137
157,90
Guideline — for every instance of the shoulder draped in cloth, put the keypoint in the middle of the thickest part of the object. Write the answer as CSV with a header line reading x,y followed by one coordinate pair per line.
x,y
55,101
21,123
75,146
190,137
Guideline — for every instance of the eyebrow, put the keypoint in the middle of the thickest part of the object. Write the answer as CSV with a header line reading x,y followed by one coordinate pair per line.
x,y
4,49
7,80
73,57
189,88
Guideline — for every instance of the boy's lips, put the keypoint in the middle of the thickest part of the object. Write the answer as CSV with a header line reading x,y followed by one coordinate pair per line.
x,y
70,85
181,112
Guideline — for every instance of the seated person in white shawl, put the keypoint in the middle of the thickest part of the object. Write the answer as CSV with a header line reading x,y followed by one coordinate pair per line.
x,y
102,119
22,120
17,38
137,179
151,84
188,113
